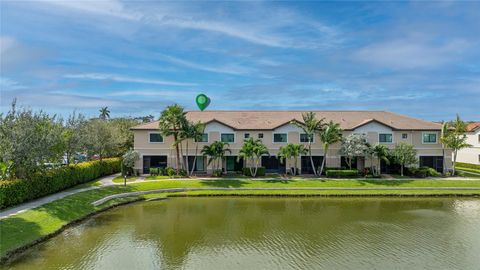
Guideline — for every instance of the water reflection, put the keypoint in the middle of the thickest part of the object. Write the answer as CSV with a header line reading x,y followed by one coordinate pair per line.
x,y
271,233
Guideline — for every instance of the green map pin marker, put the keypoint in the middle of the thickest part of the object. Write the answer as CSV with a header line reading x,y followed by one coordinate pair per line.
x,y
202,101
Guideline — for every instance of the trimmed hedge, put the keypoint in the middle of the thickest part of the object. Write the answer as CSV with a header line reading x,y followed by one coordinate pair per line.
x,y
260,171
342,173
423,172
468,165
13,192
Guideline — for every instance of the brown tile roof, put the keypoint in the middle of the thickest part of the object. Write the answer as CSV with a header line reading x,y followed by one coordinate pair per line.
x,y
268,120
473,126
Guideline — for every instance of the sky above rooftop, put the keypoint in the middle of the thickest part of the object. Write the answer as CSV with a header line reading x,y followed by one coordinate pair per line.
x,y
416,58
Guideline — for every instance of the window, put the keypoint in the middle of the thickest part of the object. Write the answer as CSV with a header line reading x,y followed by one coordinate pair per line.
x,y
404,135
385,137
260,135
246,135
204,138
304,137
429,137
156,138
227,137
280,137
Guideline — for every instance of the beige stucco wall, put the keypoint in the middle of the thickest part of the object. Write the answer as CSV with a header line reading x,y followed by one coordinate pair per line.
x,y
143,145
471,154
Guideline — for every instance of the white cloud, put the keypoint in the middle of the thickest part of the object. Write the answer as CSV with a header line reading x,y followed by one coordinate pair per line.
x,y
226,69
121,78
153,93
411,53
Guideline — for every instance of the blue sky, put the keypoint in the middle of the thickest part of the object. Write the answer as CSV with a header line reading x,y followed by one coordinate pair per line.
x,y
416,58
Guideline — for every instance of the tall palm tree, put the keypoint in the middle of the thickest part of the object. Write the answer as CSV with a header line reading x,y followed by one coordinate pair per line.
x,y
216,151
196,133
456,139
171,121
443,140
331,134
310,126
292,151
253,150
381,152
104,113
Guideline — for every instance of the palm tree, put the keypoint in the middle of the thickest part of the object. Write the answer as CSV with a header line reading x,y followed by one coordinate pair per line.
x,y
171,121
104,113
443,140
331,134
310,126
382,153
253,150
292,151
216,151
197,130
456,139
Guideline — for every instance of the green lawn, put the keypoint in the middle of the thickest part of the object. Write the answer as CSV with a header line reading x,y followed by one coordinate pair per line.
x,y
119,179
468,169
31,225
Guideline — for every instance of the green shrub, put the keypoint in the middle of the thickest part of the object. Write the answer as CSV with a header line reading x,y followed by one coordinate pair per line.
x,y
342,173
154,171
423,172
170,171
260,171
182,172
217,173
468,165
13,192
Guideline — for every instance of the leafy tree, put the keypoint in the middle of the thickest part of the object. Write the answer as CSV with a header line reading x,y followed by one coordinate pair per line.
x,y
72,135
405,155
353,146
171,121
331,134
121,127
100,138
310,126
290,151
455,138
28,140
128,162
216,151
252,150
104,113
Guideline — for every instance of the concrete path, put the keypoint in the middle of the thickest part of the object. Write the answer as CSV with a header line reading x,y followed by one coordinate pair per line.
x,y
105,181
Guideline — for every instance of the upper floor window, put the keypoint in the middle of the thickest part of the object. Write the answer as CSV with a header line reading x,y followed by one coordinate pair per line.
x,y
246,135
227,137
404,135
429,138
304,138
156,138
204,138
260,135
385,137
280,137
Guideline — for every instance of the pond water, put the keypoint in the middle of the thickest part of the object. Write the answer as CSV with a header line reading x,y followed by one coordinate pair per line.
x,y
270,233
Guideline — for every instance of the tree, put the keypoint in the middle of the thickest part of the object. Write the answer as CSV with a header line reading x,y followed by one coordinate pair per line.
x,y
455,138
216,151
172,119
28,140
72,135
405,155
104,113
100,138
310,126
186,132
331,134
129,160
252,150
381,152
443,140
290,151
197,134
353,146
121,126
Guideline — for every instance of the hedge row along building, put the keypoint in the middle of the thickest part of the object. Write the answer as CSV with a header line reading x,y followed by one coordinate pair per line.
x,y
274,128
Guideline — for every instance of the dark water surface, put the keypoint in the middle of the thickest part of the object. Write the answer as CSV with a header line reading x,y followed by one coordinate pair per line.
x,y
270,233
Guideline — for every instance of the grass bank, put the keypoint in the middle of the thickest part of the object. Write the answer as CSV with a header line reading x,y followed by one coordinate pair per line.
x,y
24,229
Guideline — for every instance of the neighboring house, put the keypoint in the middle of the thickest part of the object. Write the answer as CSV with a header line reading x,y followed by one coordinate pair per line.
x,y
274,128
471,154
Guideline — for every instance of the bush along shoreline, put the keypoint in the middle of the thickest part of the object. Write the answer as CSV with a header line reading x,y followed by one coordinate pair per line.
x,y
13,192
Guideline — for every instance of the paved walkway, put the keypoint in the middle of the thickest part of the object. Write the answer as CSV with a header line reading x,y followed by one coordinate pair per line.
x,y
105,181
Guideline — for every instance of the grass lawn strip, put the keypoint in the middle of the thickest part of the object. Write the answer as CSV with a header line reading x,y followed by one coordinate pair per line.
x,y
119,179
468,170
24,229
